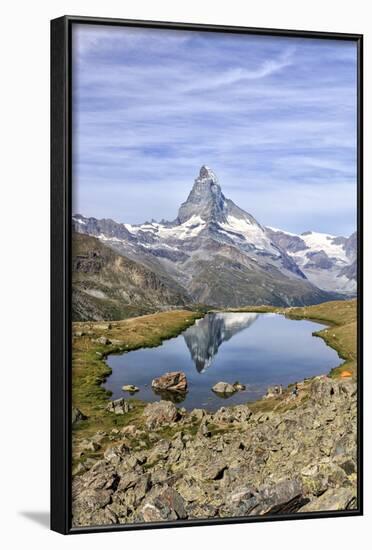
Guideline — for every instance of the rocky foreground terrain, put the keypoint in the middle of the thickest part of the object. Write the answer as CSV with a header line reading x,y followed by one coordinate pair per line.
x,y
296,454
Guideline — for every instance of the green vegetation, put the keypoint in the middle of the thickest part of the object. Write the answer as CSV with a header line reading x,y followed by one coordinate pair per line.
x,y
89,368
340,334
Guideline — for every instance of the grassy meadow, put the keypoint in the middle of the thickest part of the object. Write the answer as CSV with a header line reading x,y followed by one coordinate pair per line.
x,y
89,368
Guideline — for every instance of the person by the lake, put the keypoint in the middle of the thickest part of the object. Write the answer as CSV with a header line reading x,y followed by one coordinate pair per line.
x,y
295,391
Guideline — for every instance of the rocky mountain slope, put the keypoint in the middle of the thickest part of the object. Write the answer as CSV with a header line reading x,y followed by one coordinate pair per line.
x,y
107,285
298,457
329,262
216,252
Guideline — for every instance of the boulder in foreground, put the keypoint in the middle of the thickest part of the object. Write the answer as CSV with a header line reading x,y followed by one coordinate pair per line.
x,y
160,413
77,416
119,406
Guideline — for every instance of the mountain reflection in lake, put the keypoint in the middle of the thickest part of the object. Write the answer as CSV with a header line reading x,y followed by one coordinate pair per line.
x,y
205,337
258,350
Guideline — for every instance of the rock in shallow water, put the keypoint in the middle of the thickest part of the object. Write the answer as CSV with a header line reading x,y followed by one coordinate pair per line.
x,y
224,388
171,382
130,388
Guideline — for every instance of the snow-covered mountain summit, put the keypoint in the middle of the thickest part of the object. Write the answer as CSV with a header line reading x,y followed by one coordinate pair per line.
x,y
327,261
207,213
207,201
220,254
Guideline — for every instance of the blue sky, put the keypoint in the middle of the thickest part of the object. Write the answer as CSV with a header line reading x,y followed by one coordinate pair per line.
x,y
275,118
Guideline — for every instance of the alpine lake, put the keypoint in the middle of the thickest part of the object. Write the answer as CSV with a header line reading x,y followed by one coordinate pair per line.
x,y
257,350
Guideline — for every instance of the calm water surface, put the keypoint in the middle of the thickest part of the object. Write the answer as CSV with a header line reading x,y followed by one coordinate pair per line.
x,y
258,350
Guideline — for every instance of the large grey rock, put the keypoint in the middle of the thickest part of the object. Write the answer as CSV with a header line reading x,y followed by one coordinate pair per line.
x,y
77,416
239,413
167,505
171,382
322,388
213,469
198,414
119,406
159,451
284,497
116,453
240,502
159,414
343,498
91,493
224,388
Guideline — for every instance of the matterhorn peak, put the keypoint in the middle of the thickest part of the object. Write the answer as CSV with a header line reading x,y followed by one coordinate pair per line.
x,y
205,200
206,175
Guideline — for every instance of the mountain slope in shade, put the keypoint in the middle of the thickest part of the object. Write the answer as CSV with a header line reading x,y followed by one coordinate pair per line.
x,y
329,262
218,253
108,286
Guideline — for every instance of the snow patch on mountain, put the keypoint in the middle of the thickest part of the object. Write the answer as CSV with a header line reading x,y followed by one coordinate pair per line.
x,y
187,230
321,256
220,254
249,232
281,231
325,242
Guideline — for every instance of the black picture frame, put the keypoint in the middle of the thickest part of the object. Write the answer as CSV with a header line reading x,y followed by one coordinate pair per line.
x,y
61,176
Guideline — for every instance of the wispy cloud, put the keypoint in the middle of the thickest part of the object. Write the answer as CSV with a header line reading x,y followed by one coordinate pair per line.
x,y
275,117
240,74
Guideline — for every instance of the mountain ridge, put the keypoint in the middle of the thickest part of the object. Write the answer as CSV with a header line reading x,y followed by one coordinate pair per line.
x,y
218,253
110,286
328,261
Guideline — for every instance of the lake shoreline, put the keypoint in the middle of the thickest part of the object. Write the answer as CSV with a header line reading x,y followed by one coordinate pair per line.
x,y
338,315
107,440
94,354
258,350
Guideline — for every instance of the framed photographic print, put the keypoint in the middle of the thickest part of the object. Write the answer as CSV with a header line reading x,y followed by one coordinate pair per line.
x,y
206,274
